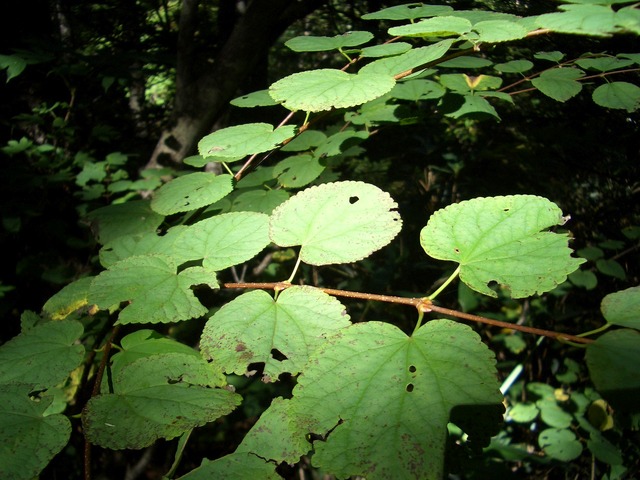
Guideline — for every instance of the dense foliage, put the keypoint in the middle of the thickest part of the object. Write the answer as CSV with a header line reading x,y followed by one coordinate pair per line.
x,y
409,251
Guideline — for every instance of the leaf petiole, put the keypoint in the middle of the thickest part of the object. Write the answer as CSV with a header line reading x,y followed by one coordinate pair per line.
x,y
445,284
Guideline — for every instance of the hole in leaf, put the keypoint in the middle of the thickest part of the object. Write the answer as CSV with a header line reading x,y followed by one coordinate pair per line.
x,y
412,368
457,250
278,355
353,200
506,209
409,388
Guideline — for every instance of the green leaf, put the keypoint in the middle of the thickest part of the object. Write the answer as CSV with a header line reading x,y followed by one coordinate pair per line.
x,y
560,444
414,58
310,43
554,56
305,141
553,415
466,62
130,218
584,278
415,90
611,268
408,12
72,297
559,83
338,222
619,95
14,64
324,89
190,192
433,27
603,64
514,66
604,450
237,465
385,50
472,105
598,20
382,400
234,143
161,396
144,244
153,289
29,438
495,31
261,201
613,361
523,412
298,171
255,328
623,308
499,239
224,240
260,98
340,142
44,356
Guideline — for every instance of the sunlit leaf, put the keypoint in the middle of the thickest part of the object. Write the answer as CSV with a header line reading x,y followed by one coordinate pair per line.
x,y
305,141
414,58
310,43
255,328
408,12
260,98
623,308
385,50
233,143
582,19
433,27
190,192
499,240
338,222
384,399
495,31
161,396
261,201
155,292
324,89
298,171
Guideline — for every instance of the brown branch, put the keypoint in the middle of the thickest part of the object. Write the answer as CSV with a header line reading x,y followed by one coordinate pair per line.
x,y
423,305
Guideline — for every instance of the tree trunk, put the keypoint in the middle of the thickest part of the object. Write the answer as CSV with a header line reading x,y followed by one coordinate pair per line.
x,y
202,95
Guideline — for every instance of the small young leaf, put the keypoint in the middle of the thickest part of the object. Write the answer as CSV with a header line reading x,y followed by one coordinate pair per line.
x,y
29,438
623,308
161,396
499,240
383,399
234,341
310,43
190,192
338,222
305,141
324,89
619,95
559,83
43,356
234,143
154,291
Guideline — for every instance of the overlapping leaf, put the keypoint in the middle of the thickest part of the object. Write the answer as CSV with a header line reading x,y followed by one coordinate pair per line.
x,y
255,328
130,218
155,292
324,89
190,192
383,399
414,58
623,308
233,143
499,239
410,11
298,171
338,222
433,27
29,438
72,297
310,43
160,396
43,356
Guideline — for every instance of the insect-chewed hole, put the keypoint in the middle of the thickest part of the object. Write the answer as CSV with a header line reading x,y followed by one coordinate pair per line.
x,y
353,200
409,388
278,355
412,368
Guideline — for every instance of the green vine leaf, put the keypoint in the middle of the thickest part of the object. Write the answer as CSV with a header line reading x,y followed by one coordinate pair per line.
x,y
310,43
261,201
415,90
237,465
338,222
223,240
260,98
560,443
190,192
619,95
156,294
385,50
43,356
496,31
29,438
623,308
234,143
72,297
298,171
382,400
160,396
499,239
255,328
324,89
414,58
559,83
410,11
433,27
143,244
597,20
